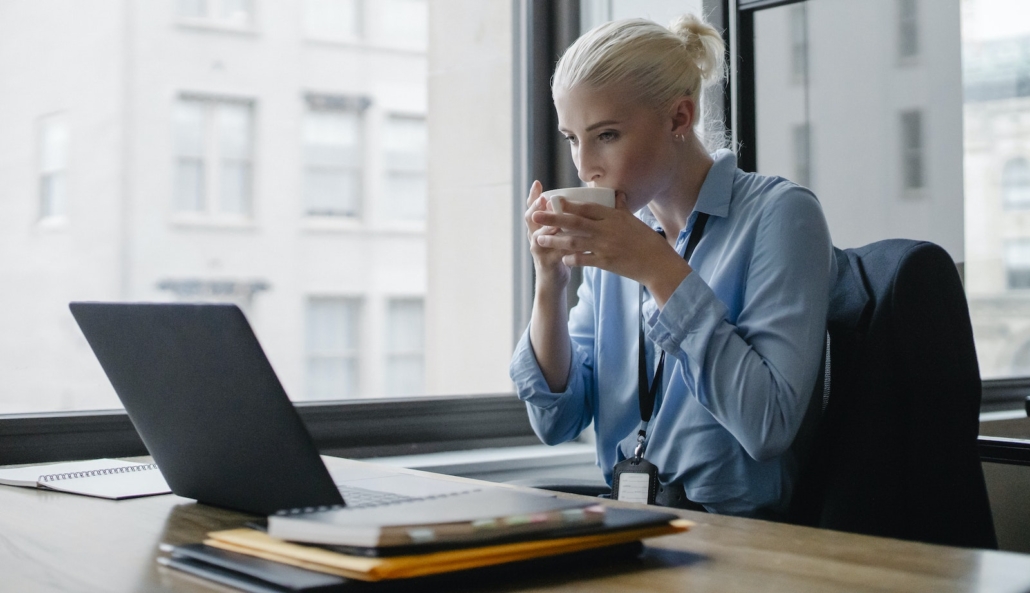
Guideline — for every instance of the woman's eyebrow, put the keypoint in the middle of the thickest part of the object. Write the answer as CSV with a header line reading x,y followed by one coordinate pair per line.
x,y
599,124
607,122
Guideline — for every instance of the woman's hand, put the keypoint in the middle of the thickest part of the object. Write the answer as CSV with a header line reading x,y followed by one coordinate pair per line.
x,y
614,240
551,271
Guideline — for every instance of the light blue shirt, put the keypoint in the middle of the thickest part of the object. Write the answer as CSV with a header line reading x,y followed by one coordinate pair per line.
x,y
743,336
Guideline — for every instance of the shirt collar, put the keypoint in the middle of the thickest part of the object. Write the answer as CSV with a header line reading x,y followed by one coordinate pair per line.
x,y
716,191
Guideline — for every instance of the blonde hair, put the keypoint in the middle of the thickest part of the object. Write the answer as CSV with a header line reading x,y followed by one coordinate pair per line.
x,y
656,64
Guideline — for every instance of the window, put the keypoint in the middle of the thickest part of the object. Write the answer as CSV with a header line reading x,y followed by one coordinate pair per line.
x,y
1017,264
213,147
404,157
332,326
952,132
912,149
404,368
53,167
802,155
333,20
403,23
333,163
227,13
1015,184
908,29
799,43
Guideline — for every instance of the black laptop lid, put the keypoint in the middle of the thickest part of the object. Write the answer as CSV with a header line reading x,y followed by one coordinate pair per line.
x,y
207,404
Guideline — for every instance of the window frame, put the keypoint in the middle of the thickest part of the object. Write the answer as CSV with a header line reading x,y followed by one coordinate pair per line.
x,y
371,428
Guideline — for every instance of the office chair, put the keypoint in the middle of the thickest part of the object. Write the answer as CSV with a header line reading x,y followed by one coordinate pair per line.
x,y
895,453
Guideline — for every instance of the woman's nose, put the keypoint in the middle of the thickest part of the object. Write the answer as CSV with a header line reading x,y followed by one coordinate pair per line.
x,y
588,167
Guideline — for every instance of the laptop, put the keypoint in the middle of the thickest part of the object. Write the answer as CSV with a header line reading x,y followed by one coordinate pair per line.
x,y
212,413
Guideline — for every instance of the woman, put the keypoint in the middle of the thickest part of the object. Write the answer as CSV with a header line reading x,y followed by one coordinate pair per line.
x,y
741,320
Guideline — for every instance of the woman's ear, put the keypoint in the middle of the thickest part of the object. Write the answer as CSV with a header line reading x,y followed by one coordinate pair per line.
x,y
684,112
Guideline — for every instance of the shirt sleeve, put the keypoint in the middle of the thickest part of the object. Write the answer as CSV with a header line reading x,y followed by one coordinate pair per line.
x,y
756,377
560,417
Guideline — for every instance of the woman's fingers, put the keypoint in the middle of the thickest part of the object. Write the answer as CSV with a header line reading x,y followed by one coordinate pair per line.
x,y
534,192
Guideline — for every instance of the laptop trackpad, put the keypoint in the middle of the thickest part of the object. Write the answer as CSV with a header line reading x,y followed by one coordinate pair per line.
x,y
406,485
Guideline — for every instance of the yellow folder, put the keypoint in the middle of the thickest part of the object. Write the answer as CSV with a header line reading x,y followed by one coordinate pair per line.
x,y
256,543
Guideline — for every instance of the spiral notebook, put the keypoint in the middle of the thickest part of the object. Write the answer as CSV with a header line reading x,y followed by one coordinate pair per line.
x,y
104,478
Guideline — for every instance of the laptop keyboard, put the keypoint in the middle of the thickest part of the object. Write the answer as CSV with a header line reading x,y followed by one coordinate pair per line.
x,y
360,497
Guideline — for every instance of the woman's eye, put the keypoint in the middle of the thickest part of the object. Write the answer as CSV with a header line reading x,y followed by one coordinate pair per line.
x,y
607,136
570,139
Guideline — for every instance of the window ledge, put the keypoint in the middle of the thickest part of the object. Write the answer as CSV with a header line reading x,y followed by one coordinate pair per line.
x,y
215,27
495,459
362,45
53,223
213,222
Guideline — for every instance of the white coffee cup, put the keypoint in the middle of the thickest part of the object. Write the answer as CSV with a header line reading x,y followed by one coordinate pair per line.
x,y
604,196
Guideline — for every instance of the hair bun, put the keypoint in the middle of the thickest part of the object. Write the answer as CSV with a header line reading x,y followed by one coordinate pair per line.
x,y
704,45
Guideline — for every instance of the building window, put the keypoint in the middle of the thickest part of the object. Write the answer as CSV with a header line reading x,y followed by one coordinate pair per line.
x,y
213,142
53,167
332,338
1015,184
799,43
405,359
404,148
238,14
333,20
237,292
908,29
802,140
333,161
912,149
1017,264
404,23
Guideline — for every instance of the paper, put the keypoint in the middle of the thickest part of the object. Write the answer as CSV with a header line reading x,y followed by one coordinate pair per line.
x,y
255,543
104,478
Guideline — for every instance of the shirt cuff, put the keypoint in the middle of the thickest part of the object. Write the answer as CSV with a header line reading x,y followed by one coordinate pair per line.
x,y
529,380
690,315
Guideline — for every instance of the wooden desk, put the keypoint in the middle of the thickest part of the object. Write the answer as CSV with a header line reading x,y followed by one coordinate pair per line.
x,y
51,541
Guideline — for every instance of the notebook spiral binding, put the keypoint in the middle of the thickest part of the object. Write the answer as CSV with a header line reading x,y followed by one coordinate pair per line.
x,y
97,472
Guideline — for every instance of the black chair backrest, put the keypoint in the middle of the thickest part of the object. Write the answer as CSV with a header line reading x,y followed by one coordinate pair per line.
x,y
895,453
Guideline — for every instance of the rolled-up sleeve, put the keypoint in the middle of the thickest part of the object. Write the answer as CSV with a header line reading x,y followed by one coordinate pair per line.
x,y
755,376
560,417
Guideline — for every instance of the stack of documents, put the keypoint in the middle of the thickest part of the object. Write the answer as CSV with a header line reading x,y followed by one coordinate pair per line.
x,y
253,560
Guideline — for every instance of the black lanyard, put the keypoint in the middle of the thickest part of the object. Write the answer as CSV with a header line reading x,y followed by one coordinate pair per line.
x,y
647,394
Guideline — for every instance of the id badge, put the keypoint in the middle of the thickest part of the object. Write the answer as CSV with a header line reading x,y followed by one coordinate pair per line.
x,y
635,480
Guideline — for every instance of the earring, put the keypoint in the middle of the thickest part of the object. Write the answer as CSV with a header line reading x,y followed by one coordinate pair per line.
x,y
679,137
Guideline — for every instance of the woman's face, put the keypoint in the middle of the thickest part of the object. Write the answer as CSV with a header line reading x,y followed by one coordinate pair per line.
x,y
616,142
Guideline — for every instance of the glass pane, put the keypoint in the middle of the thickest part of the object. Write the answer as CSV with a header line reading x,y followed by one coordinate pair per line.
x,y
338,20
234,131
332,192
52,193
1015,183
197,184
927,146
189,185
236,13
404,375
405,326
406,195
404,22
189,128
191,8
235,182
332,138
53,144
331,378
